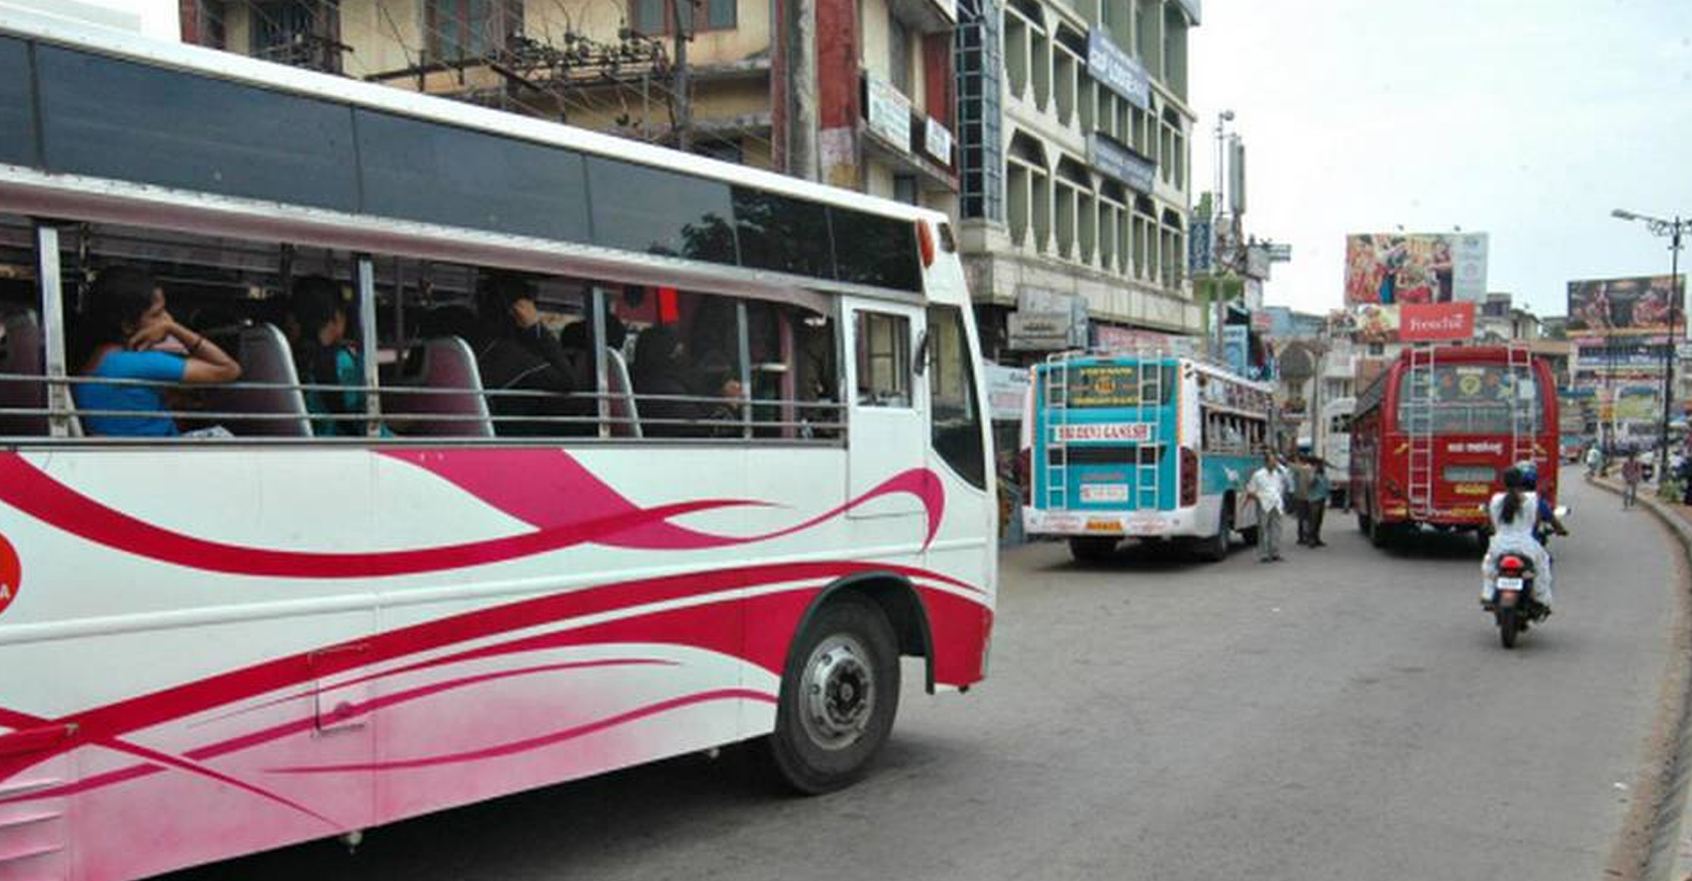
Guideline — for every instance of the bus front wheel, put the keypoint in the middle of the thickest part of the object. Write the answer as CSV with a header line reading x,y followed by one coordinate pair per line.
x,y
839,695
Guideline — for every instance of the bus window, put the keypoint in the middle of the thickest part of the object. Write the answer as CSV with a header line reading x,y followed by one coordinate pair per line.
x,y
951,390
1476,399
883,360
23,354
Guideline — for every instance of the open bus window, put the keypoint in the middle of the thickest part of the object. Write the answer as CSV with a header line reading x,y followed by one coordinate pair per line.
x,y
23,389
951,393
883,346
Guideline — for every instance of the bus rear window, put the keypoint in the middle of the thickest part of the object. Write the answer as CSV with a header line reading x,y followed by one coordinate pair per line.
x,y
1103,386
1474,399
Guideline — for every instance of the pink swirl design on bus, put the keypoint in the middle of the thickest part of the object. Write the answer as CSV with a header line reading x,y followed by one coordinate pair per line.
x,y
595,514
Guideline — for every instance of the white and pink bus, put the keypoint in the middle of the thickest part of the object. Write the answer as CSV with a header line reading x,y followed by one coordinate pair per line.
x,y
286,621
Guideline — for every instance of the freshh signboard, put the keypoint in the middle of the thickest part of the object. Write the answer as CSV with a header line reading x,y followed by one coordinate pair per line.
x,y
1436,322
1623,306
1116,69
1394,268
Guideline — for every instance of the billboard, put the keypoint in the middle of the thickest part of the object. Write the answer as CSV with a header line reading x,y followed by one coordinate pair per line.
x,y
1436,322
1623,306
1394,268
1375,323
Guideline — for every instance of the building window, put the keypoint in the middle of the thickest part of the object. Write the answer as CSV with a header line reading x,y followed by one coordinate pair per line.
x,y
470,28
899,53
653,16
303,34
905,188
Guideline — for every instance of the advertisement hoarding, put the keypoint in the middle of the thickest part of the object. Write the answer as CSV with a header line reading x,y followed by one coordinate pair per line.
x,y
1375,323
1637,306
1436,322
1394,268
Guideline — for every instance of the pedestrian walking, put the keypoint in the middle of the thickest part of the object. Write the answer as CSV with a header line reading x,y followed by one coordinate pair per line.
x,y
1630,481
1268,489
1316,501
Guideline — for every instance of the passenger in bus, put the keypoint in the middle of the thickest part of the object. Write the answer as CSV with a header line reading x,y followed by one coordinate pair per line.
x,y
720,384
660,370
322,356
515,353
130,335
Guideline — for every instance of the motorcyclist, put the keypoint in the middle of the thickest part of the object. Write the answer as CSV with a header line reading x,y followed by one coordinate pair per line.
x,y
1548,521
1514,515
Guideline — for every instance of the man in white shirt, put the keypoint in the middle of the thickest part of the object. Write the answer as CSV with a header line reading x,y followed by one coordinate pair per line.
x,y
1268,488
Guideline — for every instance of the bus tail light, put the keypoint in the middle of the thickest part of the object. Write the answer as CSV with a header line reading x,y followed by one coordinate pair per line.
x,y
1189,477
925,239
1024,480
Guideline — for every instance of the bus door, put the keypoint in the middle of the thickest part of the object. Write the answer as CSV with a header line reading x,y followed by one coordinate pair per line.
x,y
886,430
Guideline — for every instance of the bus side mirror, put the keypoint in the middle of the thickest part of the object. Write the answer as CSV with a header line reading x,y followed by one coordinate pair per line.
x,y
920,362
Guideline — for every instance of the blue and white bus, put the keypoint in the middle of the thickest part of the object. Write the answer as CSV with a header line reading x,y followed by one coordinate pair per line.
x,y
1146,446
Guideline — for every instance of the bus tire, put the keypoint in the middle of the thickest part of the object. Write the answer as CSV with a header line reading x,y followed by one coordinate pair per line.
x,y
1380,534
1215,548
839,695
1092,550
1363,523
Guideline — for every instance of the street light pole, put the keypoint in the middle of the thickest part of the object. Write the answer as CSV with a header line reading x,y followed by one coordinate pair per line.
x,y
1215,306
1673,230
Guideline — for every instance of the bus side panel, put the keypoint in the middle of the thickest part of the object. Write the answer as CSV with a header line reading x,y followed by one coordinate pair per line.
x,y
544,615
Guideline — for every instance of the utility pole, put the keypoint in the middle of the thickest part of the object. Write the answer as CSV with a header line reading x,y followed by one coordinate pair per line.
x,y
684,109
1219,262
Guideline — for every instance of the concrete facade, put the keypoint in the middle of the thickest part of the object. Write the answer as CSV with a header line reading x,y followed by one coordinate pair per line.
x,y
1046,207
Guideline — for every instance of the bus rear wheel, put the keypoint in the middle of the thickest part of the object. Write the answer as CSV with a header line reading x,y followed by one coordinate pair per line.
x,y
1215,548
1092,550
839,695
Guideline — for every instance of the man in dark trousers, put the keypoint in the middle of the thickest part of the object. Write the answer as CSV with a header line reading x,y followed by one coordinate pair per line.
x,y
1316,502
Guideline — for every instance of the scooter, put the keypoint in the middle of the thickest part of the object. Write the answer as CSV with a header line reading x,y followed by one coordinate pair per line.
x,y
1513,605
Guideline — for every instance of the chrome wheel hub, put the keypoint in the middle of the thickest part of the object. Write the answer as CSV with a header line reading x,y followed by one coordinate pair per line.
x,y
839,697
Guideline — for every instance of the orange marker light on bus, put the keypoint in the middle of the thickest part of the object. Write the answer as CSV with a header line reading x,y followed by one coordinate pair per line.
x,y
925,239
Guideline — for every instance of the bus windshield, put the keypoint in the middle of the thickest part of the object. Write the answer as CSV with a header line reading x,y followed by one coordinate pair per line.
x,y
1120,384
1476,399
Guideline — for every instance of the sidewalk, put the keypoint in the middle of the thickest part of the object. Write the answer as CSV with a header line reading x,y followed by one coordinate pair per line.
x,y
1674,820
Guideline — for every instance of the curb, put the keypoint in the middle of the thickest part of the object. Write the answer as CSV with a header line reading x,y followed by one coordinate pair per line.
x,y
1669,782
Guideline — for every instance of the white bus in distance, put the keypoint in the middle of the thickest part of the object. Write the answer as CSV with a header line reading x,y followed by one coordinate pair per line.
x,y
311,621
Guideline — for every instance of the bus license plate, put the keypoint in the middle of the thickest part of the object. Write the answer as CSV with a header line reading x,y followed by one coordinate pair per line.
x,y
1103,526
1104,492
1509,584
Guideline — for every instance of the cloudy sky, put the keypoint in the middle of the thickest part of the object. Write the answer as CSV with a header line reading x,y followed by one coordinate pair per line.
x,y
1363,115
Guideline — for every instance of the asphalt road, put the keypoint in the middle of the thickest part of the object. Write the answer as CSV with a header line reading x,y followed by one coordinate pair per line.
x,y
1346,714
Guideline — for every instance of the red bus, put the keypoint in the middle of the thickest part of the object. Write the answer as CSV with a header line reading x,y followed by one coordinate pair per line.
x,y
1432,436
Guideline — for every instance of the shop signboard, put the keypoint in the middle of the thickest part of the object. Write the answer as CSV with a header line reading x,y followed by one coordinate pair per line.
x,y
937,141
1116,69
889,113
1006,388
1110,157
1436,322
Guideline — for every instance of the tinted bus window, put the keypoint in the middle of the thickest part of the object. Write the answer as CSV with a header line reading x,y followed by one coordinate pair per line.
x,y
951,393
1476,399
637,208
423,171
874,250
17,109
782,233
114,119
1119,385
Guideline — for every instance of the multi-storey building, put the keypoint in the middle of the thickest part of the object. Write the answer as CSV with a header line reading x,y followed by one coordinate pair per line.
x,y
870,82
1075,137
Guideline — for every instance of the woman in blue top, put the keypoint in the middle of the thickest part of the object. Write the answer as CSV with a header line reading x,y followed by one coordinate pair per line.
x,y
126,321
